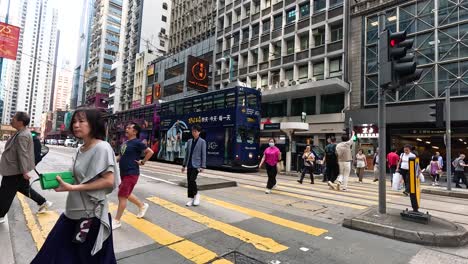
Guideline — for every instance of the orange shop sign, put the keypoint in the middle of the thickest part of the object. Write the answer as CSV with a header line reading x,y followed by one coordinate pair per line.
x,y
9,36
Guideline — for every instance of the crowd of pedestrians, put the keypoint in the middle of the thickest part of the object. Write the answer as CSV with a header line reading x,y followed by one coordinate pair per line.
x,y
83,233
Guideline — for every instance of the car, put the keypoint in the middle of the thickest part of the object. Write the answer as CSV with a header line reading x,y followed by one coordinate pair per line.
x,y
53,141
78,143
61,142
69,142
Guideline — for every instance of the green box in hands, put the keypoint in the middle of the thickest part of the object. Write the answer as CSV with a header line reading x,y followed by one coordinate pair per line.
x,y
49,181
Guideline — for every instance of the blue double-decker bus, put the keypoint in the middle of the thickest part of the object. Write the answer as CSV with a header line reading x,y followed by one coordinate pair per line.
x,y
230,119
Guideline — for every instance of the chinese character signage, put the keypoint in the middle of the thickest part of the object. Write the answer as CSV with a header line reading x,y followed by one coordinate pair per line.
x,y
149,99
150,70
197,73
9,36
156,91
136,104
367,131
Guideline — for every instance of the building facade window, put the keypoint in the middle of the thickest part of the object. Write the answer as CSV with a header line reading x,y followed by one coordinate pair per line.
x,y
290,46
289,74
307,105
303,73
277,22
336,33
334,3
319,71
164,18
336,68
164,6
304,42
319,37
274,109
319,5
266,26
304,10
331,103
291,16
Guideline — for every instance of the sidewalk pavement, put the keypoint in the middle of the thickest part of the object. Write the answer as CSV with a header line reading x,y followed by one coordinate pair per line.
x,y
6,249
438,232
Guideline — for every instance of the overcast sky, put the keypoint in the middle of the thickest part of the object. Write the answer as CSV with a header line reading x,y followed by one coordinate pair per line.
x,y
69,24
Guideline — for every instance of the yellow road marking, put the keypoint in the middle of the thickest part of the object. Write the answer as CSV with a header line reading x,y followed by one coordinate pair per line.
x,y
320,200
261,243
47,221
268,217
185,248
221,261
352,193
31,222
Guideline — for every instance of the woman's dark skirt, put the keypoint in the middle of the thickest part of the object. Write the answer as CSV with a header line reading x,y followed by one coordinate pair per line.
x,y
59,248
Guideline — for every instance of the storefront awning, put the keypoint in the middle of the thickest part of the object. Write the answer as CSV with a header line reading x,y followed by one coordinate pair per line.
x,y
284,126
328,86
336,128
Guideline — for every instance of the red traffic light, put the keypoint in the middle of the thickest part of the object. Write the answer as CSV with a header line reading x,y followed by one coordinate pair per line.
x,y
393,43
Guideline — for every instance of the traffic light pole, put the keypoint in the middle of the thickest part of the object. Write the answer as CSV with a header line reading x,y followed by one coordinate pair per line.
x,y
382,126
448,140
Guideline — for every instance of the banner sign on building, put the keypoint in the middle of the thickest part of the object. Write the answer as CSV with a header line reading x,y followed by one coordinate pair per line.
x,y
9,36
136,104
197,73
156,91
149,99
150,70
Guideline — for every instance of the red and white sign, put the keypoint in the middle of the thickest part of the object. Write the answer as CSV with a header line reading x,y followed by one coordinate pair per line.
x,y
9,36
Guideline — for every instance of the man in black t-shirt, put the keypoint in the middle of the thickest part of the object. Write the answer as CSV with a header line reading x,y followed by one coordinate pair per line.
x,y
129,164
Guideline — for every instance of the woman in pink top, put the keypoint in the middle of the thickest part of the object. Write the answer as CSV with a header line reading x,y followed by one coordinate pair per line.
x,y
271,157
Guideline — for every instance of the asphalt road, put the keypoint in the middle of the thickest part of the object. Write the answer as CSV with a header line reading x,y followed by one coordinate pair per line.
x,y
294,224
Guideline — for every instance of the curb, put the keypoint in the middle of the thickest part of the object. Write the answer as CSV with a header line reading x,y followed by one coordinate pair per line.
x,y
446,193
456,238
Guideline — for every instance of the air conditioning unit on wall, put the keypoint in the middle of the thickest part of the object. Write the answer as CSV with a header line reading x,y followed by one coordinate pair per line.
x,y
284,83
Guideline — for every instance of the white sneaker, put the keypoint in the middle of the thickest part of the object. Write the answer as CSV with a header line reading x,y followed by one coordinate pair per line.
x,y
196,200
44,207
190,202
338,186
330,184
433,184
2,220
267,191
116,224
142,210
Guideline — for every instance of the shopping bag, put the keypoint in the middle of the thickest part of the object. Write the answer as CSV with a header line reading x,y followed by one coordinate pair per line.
x,y
396,181
421,177
280,166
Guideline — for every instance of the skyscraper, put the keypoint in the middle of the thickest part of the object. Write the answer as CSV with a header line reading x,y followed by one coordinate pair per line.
x,y
63,85
144,29
103,49
77,97
29,78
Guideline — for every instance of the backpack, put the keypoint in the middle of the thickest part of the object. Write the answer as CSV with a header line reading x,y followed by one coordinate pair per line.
x,y
330,152
455,162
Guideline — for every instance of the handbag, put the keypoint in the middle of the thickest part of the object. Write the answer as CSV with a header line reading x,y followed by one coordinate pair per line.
x,y
48,180
279,166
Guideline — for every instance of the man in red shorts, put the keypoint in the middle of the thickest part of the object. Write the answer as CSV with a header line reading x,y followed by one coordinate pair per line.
x,y
129,163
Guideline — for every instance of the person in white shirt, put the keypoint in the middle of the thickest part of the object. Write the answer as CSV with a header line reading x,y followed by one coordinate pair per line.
x,y
403,166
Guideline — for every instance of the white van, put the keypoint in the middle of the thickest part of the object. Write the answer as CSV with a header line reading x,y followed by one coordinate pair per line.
x,y
69,142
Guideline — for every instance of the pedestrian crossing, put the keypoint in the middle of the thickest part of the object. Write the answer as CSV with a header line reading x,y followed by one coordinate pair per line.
x,y
40,225
190,249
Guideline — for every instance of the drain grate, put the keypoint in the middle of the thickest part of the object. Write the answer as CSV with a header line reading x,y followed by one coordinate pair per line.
x,y
239,258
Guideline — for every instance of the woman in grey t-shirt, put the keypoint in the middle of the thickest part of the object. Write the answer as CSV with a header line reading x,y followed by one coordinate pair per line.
x,y
83,234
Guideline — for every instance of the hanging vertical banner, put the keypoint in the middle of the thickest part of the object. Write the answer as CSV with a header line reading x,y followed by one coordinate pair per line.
x,y
156,91
197,73
9,37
